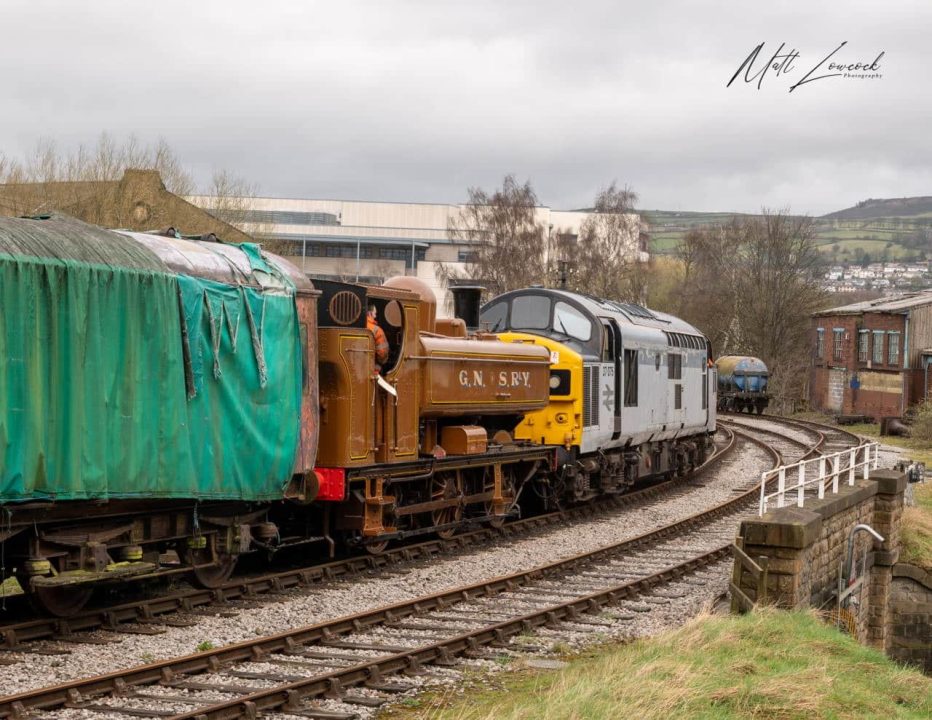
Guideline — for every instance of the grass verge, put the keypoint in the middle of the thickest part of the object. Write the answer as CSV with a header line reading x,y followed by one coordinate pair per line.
x,y
916,530
769,664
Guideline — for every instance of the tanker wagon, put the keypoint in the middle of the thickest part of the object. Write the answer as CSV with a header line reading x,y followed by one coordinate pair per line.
x,y
742,384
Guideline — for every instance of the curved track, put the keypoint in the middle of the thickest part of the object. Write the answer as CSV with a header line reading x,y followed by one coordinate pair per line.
x,y
288,670
179,608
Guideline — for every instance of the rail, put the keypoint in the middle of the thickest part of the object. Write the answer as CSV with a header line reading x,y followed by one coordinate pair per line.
x,y
829,473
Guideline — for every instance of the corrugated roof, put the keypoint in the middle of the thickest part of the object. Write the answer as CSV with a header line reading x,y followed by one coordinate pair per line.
x,y
890,303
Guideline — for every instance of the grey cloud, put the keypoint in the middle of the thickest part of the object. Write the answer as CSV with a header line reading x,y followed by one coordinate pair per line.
x,y
418,100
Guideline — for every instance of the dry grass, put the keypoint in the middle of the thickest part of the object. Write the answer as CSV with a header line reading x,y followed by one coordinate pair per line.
x,y
766,665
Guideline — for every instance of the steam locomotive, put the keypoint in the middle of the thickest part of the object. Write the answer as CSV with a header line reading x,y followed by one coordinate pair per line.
x,y
171,403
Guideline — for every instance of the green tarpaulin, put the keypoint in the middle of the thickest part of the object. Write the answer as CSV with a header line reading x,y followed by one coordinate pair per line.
x,y
119,382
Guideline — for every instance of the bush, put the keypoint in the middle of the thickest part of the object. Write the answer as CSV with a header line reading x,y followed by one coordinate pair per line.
x,y
922,427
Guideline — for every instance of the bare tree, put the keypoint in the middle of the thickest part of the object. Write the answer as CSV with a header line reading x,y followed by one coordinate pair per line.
x,y
81,181
751,285
605,261
503,239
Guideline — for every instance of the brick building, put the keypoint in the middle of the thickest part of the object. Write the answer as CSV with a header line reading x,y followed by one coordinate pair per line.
x,y
872,358
137,201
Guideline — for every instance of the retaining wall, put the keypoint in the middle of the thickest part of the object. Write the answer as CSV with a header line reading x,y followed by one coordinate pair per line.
x,y
911,616
806,547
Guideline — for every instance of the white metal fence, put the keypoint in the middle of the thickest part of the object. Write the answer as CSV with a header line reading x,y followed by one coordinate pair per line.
x,y
822,472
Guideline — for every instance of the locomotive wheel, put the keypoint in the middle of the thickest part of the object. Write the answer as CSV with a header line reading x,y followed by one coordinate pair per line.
x,y
211,574
63,601
376,548
443,487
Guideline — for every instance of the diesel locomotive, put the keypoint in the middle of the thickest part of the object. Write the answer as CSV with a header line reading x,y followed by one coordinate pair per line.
x,y
632,390
172,403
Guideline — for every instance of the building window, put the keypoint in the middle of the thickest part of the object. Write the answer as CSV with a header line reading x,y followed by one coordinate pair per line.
x,y
838,338
864,341
893,348
820,342
878,347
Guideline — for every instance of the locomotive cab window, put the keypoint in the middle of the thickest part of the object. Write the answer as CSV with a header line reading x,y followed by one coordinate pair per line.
x,y
569,321
608,342
530,312
494,318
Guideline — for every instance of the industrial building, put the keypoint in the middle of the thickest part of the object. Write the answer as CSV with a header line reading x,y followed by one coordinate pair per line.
x,y
371,241
873,358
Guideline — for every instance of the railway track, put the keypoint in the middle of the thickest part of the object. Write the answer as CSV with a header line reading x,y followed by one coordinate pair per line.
x,y
290,671
180,609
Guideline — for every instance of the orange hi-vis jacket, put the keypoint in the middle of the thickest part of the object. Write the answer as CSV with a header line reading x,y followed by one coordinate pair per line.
x,y
381,342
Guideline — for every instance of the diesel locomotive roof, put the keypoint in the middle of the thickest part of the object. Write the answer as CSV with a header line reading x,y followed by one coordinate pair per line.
x,y
60,237
624,313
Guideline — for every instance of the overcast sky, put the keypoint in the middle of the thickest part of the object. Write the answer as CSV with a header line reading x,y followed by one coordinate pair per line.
x,y
416,101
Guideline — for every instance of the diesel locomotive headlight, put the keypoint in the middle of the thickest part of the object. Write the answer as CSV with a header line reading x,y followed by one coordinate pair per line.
x,y
559,382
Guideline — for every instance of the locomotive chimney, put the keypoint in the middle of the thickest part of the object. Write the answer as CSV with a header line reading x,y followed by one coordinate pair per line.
x,y
466,302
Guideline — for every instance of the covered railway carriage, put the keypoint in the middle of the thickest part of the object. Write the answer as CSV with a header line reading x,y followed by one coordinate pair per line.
x,y
427,442
158,395
632,394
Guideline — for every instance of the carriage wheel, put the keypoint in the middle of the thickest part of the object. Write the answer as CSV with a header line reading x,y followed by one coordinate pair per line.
x,y
443,487
62,601
213,572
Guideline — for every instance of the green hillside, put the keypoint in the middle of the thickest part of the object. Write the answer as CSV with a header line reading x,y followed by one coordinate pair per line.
x,y
873,230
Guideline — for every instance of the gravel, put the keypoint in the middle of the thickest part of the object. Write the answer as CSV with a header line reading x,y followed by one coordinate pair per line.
x,y
335,599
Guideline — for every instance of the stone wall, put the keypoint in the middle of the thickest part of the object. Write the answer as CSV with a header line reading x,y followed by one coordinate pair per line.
x,y
806,548
911,616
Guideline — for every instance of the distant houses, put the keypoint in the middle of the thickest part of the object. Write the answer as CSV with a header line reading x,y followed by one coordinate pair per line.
x,y
878,276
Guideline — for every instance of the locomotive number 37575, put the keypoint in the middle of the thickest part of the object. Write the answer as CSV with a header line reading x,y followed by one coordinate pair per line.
x,y
500,378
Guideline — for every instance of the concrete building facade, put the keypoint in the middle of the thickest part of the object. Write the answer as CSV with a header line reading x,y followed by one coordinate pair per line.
x,y
872,358
372,241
